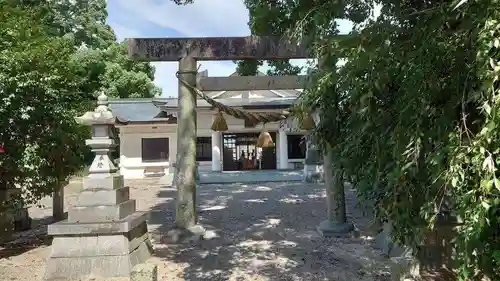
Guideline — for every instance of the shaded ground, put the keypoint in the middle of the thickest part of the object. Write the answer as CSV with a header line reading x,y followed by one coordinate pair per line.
x,y
262,232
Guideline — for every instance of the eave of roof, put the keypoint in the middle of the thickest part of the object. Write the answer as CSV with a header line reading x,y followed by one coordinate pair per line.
x,y
136,110
149,110
256,103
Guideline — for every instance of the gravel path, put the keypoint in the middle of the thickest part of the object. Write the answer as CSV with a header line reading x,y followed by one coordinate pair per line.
x,y
262,232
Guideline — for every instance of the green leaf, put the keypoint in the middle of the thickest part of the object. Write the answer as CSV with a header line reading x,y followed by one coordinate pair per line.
x,y
488,164
497,184
458,3
485,205
487,108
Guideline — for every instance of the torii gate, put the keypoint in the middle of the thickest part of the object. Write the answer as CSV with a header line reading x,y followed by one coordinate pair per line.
x,y
187,51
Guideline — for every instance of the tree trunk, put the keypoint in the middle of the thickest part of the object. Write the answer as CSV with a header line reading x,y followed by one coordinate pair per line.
x,y
58,203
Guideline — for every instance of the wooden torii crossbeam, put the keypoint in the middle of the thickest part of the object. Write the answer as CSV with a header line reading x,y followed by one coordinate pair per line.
x,y
227,48
224,48
187,51
215,48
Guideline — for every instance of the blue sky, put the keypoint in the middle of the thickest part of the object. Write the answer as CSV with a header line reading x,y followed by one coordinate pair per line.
x,y
162,18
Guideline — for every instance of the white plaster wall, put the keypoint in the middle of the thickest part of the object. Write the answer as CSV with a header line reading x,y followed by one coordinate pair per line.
x,y
131,165
204,122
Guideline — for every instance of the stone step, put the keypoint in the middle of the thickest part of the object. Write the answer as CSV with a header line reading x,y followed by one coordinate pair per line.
x,y
101,213
110,182
103,196
99,245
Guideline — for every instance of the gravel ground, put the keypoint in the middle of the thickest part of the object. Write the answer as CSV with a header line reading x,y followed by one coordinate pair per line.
x,y
262,232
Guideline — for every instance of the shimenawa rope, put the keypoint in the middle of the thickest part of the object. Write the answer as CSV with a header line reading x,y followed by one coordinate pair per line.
x,y
252,117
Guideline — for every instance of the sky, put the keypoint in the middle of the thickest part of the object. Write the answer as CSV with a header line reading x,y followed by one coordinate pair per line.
x,y
204,18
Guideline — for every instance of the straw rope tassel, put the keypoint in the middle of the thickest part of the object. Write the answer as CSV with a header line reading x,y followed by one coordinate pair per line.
x,y
307,123
265,139
219,124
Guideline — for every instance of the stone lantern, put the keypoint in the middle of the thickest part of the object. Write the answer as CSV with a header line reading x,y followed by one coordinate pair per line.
x,y
313,163
104,235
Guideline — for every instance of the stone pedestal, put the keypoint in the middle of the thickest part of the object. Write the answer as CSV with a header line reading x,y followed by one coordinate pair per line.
x,y
383,241
98,249
104,236
336,225
313,165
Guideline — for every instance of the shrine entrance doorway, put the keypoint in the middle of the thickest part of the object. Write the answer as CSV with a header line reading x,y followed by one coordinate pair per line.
x,y
240,153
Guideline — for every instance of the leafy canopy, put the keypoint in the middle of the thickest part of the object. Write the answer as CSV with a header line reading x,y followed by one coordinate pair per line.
x,y
55,57
40,98
415,118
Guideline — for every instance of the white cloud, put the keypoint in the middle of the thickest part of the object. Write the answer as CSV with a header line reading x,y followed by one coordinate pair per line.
x,y
165,74
202,18
123,32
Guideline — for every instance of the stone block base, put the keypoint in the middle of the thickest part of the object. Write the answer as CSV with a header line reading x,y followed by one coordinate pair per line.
x,y
185,236
313,173
404,268
383,241
74,268
102,250
329,229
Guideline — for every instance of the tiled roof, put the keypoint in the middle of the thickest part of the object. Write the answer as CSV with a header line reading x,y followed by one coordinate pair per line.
x,y
148,110
135,110
244,103
257,94
262,93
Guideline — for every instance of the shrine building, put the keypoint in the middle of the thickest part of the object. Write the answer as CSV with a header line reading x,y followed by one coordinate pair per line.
x,y
148,142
